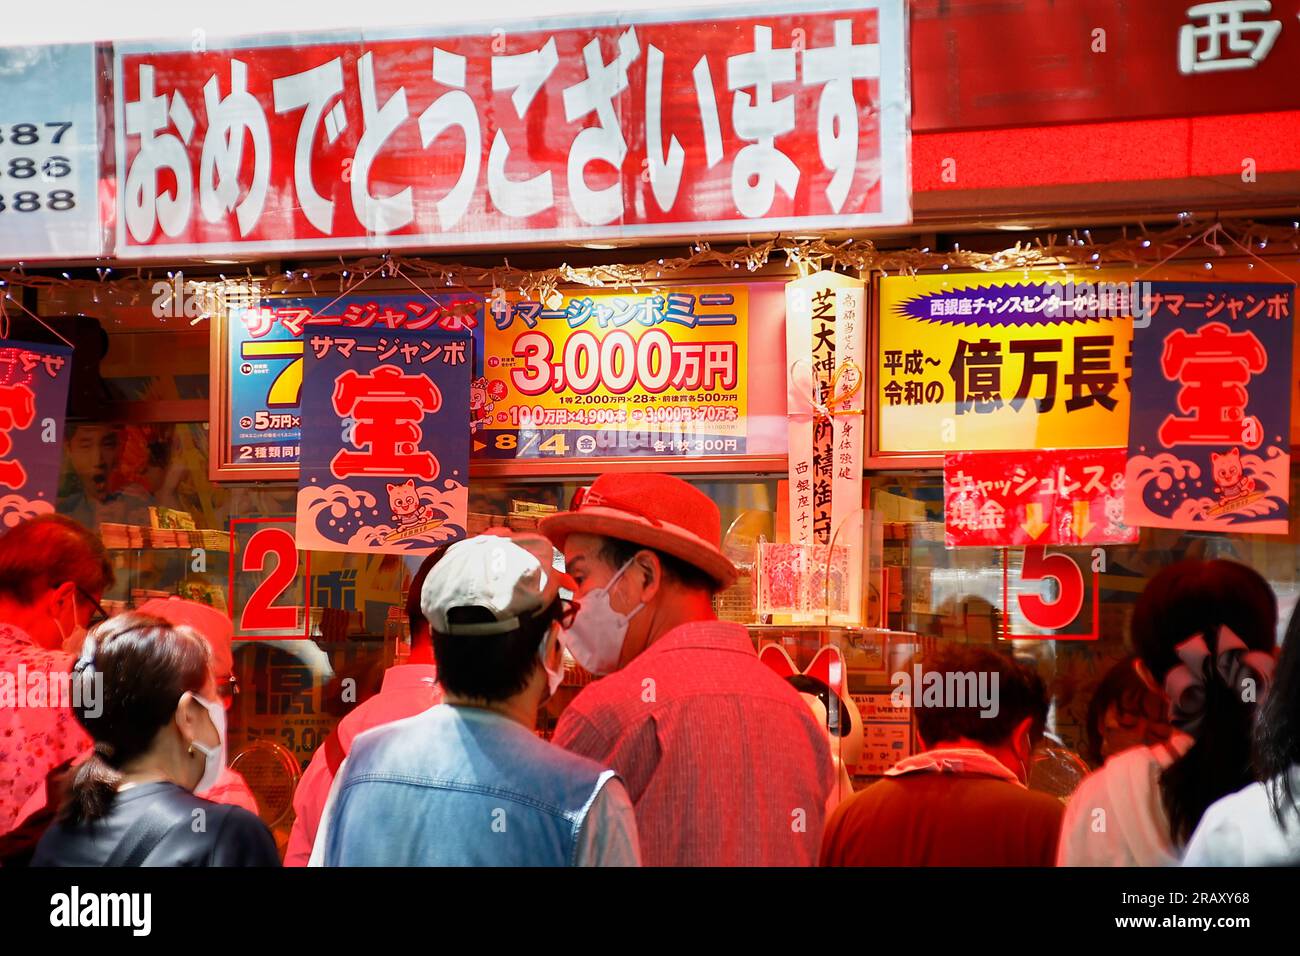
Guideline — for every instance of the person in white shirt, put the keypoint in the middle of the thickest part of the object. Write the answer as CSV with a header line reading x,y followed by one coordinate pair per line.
x,y
1204,633
1260,825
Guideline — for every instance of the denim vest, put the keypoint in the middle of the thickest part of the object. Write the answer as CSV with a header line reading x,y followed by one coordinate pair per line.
x,y
460,786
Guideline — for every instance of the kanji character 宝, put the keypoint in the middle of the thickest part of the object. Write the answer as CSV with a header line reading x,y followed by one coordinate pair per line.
x,y
229,120
388,407
1214,366
160,152
17,410
976,372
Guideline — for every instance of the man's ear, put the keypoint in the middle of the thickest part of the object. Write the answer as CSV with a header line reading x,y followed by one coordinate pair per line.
x,y
646,566
63,594
1020,741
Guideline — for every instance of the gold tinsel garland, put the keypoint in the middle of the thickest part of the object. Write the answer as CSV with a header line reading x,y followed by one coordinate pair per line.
x,y
860,255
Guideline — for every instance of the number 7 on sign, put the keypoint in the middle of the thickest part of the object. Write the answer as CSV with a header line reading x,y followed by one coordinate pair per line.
x,y
286,390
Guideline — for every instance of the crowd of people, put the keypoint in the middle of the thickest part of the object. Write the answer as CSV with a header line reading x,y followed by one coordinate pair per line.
x,y
686,751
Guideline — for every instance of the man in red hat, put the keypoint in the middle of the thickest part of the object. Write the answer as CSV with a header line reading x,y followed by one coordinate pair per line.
x,y
723,760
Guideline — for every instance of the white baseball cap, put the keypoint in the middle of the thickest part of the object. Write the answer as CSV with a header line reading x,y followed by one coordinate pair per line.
x,y
489,572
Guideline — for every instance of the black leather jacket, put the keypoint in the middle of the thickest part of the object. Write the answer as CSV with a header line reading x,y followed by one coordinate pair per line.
x,y
226,836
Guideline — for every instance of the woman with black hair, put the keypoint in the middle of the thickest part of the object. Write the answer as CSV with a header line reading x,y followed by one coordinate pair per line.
x,y
1204,633
1260,825
149,701
1124,712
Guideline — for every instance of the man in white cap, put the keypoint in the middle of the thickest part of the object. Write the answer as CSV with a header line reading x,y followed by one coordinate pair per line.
x,y
468,782
723,759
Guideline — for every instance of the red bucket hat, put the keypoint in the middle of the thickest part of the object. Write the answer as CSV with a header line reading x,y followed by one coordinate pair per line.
x,y
656,511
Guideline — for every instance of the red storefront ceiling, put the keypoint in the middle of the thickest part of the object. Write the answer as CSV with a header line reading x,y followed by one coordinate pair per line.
x,y
1140,150
1024,93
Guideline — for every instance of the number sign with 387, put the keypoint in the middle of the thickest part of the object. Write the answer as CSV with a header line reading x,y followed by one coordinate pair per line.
x,y
49,154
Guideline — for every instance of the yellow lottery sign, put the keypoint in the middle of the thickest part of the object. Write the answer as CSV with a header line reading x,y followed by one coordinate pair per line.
x,y
649,373
977,362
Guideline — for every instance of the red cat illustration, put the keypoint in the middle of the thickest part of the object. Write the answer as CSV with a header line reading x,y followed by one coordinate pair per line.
x,y
1229,481
404,501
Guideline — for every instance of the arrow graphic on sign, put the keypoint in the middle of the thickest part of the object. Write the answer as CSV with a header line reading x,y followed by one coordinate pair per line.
x,y
1034,526
1082,523
479,446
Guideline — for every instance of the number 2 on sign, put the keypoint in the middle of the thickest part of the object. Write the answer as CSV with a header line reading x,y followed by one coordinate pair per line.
x,y
261,613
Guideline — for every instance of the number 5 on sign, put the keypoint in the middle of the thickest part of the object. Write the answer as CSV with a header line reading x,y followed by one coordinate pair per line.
x,y
1038,611
270,579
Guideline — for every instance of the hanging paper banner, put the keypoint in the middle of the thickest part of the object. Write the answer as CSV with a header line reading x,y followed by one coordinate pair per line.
x,y
256,401
826,349
1209,445
1013,499
662,373
33,402
972,362
385,441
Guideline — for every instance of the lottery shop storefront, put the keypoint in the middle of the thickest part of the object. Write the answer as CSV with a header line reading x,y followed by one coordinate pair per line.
x,y
907,446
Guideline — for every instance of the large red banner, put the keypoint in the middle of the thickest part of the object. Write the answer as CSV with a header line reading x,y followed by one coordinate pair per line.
x,y
725,123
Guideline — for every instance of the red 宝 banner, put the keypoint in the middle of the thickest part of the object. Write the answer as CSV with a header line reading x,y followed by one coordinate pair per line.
x,y
1055,496
692,123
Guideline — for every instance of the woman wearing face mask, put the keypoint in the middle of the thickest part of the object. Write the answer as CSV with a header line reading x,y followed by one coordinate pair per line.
x,y
52,575
149,701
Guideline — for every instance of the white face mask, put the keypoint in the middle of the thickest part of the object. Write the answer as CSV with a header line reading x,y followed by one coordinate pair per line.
x,y
596,638
214,758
